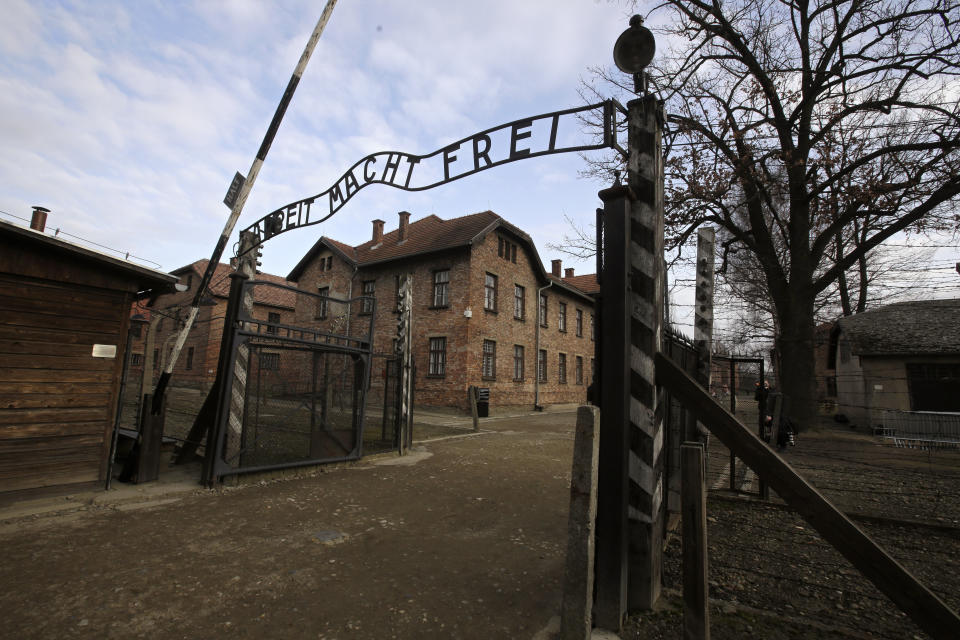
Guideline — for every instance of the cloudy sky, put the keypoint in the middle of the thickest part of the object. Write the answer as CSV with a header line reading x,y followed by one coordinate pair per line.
x,y
129,119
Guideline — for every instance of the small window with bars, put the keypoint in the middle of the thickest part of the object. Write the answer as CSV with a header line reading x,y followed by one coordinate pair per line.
x,y
518,362
438,357
489,363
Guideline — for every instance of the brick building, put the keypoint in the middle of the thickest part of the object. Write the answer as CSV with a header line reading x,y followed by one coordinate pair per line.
x,y
197,365
485,311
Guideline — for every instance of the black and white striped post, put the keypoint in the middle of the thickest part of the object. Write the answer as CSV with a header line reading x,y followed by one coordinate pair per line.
x,y
237,203
630,501
645,302
405,355
247,265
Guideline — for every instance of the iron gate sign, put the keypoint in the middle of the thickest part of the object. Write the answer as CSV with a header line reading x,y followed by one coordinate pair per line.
x,y
526,138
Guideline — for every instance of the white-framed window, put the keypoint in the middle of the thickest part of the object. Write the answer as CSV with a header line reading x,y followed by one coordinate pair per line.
x,y
562,368
542,365
519,301
562,317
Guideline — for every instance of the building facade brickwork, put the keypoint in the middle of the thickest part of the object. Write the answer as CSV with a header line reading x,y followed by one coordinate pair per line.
x,y
477,282
469,328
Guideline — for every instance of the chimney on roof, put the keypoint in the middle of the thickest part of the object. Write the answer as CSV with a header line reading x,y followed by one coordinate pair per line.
x,y
555,267
404,220
39,220
378,231
568,272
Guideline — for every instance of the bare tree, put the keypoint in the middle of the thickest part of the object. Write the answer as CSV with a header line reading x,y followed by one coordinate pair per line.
x,y
763,98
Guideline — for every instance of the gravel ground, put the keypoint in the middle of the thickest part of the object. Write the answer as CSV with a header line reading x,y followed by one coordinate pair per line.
x,y
773,576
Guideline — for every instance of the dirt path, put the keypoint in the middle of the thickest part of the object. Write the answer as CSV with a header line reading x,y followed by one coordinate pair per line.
x,y
464,540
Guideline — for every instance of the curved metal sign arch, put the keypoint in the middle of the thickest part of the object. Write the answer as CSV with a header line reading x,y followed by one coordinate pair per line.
x,y
526,138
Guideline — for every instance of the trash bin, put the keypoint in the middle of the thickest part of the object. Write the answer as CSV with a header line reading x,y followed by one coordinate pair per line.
x,y
483,402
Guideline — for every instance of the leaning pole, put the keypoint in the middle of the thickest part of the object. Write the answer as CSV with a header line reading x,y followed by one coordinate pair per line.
x,y
236,207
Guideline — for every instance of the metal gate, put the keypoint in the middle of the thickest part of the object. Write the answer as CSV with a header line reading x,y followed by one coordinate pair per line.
x,y
292,389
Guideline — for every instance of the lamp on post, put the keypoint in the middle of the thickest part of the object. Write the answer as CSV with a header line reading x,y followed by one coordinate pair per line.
x,y
633,51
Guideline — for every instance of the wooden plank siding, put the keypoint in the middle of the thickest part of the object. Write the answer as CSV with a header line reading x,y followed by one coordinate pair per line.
x,y
57,402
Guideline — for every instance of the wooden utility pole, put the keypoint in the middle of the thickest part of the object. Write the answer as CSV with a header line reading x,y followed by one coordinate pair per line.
x,y
696,604
703,321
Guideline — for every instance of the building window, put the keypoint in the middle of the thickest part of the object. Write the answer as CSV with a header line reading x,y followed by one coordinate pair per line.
x,y
562,368
272,319
593,327
438,357
562,317
543,310
441,288
321,310
517,362
366,304
136,359
490,292
934,386
489,368
329,263
269,361
579,372
542,365
189,364
519,301
506,250
579,323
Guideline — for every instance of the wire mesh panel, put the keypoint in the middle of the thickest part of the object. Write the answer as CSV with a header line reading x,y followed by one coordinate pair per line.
x,y
296,382
301,404
382,415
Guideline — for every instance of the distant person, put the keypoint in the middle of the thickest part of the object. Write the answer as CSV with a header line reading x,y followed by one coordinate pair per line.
x,y
786,437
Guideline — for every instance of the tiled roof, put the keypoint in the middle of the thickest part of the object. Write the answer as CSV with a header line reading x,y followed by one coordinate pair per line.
x,y
586,283
921,327
427,234
431,234
220,284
